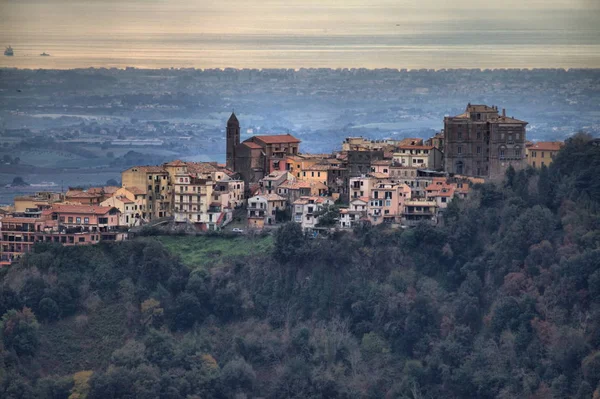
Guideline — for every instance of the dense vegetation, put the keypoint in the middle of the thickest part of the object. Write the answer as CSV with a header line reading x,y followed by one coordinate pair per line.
x,y
501,302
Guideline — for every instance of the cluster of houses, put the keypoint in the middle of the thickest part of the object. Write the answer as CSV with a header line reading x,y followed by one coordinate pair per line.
x,y
267,180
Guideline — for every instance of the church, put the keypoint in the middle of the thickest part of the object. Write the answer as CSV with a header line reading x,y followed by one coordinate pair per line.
x,y
257,156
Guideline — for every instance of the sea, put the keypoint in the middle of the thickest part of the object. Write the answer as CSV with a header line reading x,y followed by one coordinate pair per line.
x,y
300,33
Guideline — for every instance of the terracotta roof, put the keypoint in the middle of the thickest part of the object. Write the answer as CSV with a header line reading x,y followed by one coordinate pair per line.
x,y
124,199
411,141
276,139
203,167
176,162
295,185
135,190
84,209
16,219
251,144
273,197
480,108
547,146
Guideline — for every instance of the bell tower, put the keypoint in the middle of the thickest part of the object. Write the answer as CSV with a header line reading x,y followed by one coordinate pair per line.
x,y
233,139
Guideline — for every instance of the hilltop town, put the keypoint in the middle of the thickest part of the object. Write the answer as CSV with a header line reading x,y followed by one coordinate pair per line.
x,y
268,180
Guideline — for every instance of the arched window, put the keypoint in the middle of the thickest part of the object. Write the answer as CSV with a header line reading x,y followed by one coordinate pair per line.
x,y
502,152
459,167
517,152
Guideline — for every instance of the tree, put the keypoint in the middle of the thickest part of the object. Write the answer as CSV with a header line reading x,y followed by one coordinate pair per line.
x,y
237,376
20,331
289,242
188,311
48,309
112,182
81,385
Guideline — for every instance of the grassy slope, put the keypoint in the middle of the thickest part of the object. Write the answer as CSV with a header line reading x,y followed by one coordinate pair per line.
x,y
207,251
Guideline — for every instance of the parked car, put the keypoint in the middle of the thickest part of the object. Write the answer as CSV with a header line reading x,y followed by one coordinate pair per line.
x,y
237,230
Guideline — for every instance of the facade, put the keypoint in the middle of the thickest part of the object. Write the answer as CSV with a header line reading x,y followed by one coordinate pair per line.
x,y
62,224
386,202
191,199
480,142
129,216
306,210
40,199
262,210
75,196
542,153
273,180
359,162
156,183
293,189
422,157
419,211
361,187
258,156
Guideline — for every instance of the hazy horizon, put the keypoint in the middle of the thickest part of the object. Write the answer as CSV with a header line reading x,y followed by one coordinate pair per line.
x,y
295,34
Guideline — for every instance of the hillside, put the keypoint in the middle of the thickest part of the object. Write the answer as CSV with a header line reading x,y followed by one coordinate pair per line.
x,y
501,302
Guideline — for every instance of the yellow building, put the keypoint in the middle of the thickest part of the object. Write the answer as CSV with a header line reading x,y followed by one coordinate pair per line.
x,y
155,181
542,153
315,173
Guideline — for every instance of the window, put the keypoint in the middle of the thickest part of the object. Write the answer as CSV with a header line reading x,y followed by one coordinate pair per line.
x,y
478,135
501,153
86,220
150,177
543,155
459,150
518,152
459,135
479,150
81,239
70,219
78,220
501,136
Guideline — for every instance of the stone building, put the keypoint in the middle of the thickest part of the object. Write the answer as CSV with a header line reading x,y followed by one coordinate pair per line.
x,y
481,142
256,157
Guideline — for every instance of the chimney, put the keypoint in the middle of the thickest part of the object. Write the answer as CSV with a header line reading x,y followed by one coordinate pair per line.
x,y
503,111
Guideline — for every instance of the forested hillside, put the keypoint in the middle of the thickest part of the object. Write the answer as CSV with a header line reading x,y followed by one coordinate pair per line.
x,y
503,301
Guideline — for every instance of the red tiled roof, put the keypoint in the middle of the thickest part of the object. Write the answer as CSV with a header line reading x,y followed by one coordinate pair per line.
x,y
251,144
15,219
547,146
135,190
176,162
276,139
84,209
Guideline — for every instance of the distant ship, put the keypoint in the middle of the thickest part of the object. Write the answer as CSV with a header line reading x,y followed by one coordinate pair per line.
x,y
9,51
44,54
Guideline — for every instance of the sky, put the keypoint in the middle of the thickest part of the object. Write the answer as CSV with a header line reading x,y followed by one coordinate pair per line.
x,y
294,33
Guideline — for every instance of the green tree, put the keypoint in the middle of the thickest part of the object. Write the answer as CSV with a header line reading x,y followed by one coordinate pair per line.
x,y
20,331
